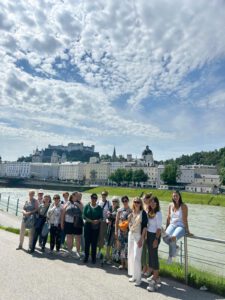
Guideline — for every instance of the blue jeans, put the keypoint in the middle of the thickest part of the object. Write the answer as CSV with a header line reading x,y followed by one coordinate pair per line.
x,y
173,231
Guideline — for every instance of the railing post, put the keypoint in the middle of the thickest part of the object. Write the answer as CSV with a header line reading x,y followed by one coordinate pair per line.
x,y
185,260
7,209
181,253
17,207
0,197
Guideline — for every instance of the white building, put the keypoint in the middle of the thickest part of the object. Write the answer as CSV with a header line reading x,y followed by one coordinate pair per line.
x,y
97,173
201,188
71,171
189,172
44,170
207,179
17,169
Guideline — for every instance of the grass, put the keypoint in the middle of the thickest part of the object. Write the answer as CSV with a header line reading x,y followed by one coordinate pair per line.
x,y
163,195
196,277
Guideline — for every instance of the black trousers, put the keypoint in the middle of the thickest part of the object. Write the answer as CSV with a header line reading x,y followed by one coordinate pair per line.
x,y
55,237
153,252
37,233
91,239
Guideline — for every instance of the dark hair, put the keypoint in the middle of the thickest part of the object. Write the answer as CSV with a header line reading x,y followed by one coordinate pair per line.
x,y
180,198
94,195
124,198
156,200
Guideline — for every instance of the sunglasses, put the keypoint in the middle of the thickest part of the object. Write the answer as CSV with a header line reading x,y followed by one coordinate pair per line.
x,y
125,201
94,198
137,202
55,198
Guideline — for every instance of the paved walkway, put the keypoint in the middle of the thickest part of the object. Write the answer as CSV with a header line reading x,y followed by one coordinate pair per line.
x,y
50,276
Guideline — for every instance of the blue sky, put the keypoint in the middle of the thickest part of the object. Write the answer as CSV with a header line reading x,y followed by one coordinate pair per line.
x,y
112,73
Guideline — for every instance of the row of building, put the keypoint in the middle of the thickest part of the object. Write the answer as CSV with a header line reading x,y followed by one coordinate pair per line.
x,y
196,178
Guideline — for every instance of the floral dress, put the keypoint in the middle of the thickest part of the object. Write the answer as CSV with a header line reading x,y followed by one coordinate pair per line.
x,y
123,235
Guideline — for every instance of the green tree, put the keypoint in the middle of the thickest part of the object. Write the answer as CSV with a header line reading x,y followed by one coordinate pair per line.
x,y
170,173
139,176
222,176
118,176
129,176
93,175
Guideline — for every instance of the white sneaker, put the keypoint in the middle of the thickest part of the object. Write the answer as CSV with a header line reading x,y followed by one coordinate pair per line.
x,y
99,255
152,286
132,279
169,260
158,280
150,278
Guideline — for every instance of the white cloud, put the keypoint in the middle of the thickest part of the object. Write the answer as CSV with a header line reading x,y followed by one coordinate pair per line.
x,y
143,49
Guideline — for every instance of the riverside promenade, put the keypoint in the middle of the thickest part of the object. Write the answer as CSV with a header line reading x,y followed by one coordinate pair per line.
x,y
46,276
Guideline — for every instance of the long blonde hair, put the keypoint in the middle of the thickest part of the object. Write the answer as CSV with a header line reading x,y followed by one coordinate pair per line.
x,y
137,199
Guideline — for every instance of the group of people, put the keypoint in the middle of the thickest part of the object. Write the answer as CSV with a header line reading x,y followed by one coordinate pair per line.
x,y
131,232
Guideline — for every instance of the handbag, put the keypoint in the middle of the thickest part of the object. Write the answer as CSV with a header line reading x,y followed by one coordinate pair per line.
x,y
39,222
123,225
29,221
45,229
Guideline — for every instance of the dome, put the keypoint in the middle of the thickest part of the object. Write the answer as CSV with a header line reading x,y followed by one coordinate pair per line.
x,y
147,151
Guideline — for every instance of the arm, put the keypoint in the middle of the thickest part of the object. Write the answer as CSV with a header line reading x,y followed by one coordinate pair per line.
x,y
63,216
144,224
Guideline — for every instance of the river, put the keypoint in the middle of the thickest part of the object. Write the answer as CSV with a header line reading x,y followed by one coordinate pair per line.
x,y
204,220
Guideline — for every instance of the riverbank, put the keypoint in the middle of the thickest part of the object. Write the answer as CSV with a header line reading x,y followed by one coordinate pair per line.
x,y
42,184
163,195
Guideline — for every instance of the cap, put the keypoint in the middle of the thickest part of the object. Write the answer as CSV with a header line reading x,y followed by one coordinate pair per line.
x,y
94,196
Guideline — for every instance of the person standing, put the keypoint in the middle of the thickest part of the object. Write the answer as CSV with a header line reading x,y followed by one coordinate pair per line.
x,y
29,210
121,231
137,231
177,224
105,205
40,199
69,214
111,218
92,215
54,216
145,254
153,241
63,202
40,221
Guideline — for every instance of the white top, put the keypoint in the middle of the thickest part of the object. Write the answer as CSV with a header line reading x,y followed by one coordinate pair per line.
x,y
105,209
155,223
176,217
54,214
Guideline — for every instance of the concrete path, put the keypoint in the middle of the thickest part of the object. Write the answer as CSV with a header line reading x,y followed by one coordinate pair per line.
x,y
50,276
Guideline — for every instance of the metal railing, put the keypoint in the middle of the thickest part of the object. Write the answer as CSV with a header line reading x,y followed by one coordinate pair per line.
x,y
202,258
13,206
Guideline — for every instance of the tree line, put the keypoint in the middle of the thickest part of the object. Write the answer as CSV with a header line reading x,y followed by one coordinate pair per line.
x,y
128,176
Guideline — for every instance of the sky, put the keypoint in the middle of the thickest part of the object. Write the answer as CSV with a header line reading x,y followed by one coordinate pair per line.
x,y
112,73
